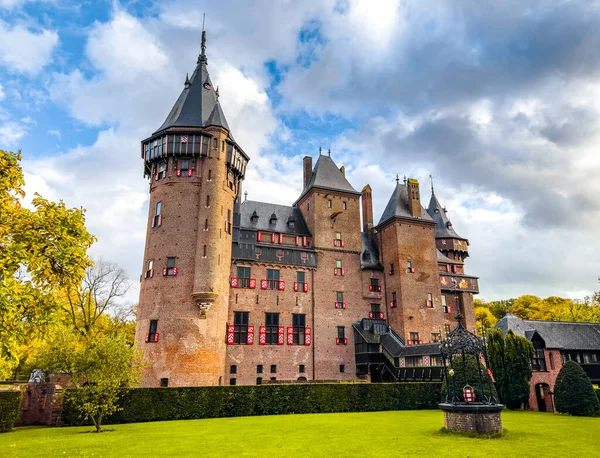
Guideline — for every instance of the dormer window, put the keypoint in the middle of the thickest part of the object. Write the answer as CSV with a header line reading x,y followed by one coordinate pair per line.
x,y
291,222
254,217
273,219
366,255
449,225
437,210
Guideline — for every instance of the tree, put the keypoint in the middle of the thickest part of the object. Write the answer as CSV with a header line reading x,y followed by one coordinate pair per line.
x,y
103,284
42,251
573,392
99,368
485,319
510,361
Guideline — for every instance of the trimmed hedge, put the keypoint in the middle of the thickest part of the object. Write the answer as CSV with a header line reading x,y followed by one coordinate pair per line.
x,y
159,404
10,409
573,392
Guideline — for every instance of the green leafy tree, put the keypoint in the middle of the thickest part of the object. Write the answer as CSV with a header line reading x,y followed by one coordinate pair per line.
x,y
517,357
99,368
42,251
573,392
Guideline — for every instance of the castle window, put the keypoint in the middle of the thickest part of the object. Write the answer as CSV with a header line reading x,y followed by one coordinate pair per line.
x,y
374,286
164,382
171,269
243,274
341,335
375,308
338,264
307,206
184,167
409,267
157,220
538,362
204,252
301,368
272,279
152,334
394,303
233,369
209,178
204,150
162,170
345,205
342,368
214,143
240,330
551,358
299,323
259,380
149,269
228,223
329,203
429,302
259,368
207,201
339,299
272,325
414,336
414,361
301,280
222,145
444,305
206,224
392,269
232,381
273,368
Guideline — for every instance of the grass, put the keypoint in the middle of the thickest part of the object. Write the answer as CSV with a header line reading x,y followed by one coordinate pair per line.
x,y
396,433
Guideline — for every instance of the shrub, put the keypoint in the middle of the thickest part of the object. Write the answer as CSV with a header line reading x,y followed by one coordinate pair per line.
x,y
573,392
466,373
10,409
158,404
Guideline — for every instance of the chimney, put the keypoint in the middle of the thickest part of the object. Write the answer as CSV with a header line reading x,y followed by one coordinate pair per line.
x,y
367,208
307,162
343,170
414,199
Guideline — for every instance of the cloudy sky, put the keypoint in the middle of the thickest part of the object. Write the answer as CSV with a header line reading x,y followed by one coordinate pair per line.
x,y
499,101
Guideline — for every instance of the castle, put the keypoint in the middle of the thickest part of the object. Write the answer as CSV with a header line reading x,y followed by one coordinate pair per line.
x,y
235,291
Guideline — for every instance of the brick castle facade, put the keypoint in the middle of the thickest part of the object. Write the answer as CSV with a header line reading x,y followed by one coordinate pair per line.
x,y
236,291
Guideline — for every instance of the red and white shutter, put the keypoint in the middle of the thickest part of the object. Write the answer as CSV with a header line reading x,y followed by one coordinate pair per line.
x,y
296,286
381,316
449,309
160,219
252,283
280,238
370,287
262,335
305,287
250,335
234,282
165,272
304,241
259,236
370,314
190,172
337,340
230,330
344,305
178,172
273,235
335,242
280,335
281,285
290,335
345,340
335,271
297,240
263,284
175,270
343,271
307,336
342,243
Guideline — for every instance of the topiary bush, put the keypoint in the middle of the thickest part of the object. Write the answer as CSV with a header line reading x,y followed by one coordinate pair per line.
x,y
10,409
158,404
573,392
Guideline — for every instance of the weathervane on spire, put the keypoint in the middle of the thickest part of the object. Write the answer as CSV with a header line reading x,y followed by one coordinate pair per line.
x,y
329,152
217,92
245,196
320,150
431,178
202,56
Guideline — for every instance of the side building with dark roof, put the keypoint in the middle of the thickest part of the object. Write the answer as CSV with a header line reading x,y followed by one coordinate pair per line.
x,y
236,291
555,342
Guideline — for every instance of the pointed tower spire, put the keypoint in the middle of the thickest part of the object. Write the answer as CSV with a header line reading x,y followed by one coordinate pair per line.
x,y
187,81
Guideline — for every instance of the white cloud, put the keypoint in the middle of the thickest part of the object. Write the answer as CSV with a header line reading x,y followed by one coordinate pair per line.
x,y
11,133
2,93
24,51
55,133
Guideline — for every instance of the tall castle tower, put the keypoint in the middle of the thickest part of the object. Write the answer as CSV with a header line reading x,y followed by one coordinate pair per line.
x,y
195,169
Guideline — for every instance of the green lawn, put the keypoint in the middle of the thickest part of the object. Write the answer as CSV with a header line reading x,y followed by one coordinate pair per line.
x,y
404,433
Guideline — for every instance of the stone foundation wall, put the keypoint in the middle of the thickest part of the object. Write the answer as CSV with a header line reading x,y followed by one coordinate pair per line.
x,y
475,422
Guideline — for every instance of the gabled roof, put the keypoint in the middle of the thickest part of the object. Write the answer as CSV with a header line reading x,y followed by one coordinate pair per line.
x,y
197,104
445,259
327,175
265,221
397,207
369,257
563,335
443,226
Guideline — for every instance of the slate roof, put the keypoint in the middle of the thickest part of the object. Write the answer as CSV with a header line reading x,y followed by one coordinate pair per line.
x,y
327,175
265,211
377,331
445,259
369,258
563,335
397,206
443,226
197,103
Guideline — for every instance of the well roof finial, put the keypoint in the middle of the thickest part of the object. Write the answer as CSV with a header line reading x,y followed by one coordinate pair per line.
x,y
202,56
397,179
